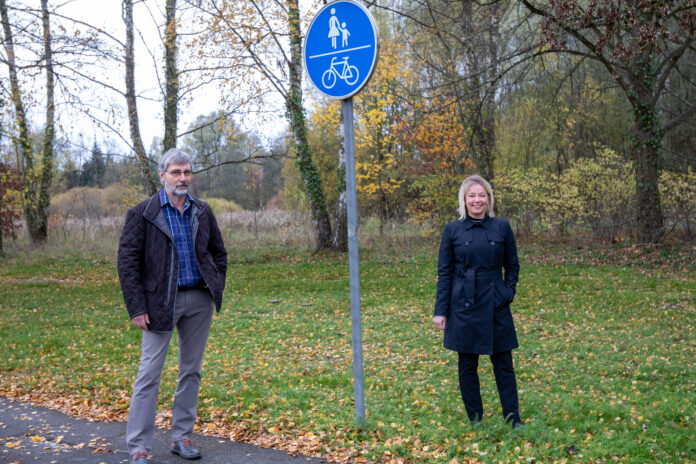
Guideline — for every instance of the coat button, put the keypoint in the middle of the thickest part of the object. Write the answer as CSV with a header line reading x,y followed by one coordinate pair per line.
x,y
467,305
491,284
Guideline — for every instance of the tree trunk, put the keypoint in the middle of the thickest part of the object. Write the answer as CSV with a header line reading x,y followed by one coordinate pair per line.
x,y
381,196
339,241
171,98
649,207
22,142
2,251
148,181
295,113
482,69
646,151
37,179
40,229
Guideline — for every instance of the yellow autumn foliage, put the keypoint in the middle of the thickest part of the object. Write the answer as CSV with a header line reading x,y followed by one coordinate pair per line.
x,y
594,195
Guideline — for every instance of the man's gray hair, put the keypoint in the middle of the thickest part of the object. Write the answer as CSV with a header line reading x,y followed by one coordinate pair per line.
x,y
173,156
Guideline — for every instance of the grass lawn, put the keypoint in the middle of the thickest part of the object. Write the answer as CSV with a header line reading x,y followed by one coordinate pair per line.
x,y
606,367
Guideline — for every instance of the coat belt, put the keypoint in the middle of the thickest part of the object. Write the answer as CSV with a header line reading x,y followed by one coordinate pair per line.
x,y
470,277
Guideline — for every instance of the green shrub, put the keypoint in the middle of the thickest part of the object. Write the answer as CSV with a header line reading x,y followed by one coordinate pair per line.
x,y
604,193
435,199
93,202
595,194
517,193
221,205
678,194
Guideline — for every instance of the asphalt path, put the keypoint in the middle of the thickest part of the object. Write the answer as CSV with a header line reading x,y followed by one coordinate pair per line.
x,y
32,434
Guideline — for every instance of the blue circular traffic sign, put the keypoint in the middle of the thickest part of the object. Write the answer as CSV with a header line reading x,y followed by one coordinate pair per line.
x,y
341,48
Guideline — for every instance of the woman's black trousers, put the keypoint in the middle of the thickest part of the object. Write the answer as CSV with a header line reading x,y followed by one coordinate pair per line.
x,y
504,379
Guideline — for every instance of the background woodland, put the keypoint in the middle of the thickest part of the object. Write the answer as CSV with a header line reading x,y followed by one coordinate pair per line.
x,y
581,113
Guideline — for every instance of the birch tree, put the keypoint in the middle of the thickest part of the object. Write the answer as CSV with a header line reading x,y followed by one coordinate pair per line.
x,y
171,77
259,42
143,162
37,169
339,240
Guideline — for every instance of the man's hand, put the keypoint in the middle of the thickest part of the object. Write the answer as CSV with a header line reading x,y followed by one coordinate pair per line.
x,y
141,321
439,322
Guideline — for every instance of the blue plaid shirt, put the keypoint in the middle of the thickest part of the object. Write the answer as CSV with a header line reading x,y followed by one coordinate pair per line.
x,y
180,225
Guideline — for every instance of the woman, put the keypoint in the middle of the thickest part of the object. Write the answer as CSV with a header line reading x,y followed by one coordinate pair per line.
x,y
333,27
473,299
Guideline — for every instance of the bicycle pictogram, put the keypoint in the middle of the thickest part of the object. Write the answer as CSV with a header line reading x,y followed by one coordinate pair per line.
x,y
348,73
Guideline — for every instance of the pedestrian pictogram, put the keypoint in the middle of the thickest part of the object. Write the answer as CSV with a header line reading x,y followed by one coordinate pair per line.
x,y
341,48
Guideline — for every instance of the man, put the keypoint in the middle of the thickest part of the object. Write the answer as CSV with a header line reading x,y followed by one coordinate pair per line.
x,y
172,264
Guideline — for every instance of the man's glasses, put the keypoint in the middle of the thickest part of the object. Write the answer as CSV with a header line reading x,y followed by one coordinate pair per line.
x,y
178,173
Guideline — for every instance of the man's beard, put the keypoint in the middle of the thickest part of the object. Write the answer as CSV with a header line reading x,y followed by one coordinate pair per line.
x,y
181,190
178,190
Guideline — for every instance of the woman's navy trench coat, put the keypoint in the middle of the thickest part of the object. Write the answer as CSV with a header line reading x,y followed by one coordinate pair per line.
x,y
471,291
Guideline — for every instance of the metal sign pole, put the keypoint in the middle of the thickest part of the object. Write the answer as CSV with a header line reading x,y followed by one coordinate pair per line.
x,y
340,54
353,262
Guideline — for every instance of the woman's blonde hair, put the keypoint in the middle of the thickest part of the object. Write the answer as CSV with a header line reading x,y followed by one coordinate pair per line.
x,y
468,182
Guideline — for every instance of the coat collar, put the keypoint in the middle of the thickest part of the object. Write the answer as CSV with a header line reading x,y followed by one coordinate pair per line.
x,y
154,206
469,223
165,200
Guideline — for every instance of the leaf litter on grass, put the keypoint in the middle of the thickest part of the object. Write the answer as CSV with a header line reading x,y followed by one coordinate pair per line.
x,y
605,365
